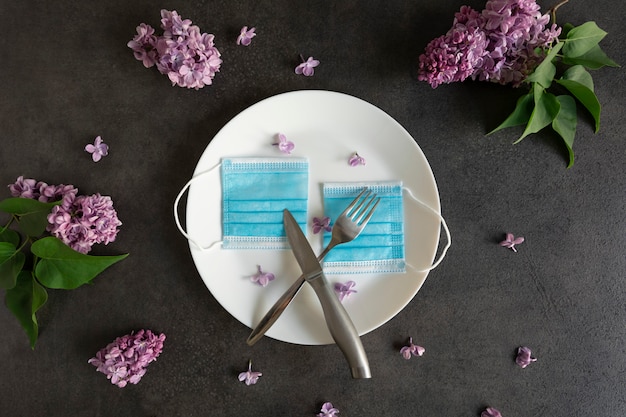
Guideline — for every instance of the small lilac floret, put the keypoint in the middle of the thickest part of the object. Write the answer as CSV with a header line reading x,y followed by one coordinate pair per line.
x,y
524,357
412,350
249,377
344,290
307,68
328,410
490,412
24,188
511,241
98,149
320,224
126,358
284,145
246,35
39,190
262,278
356,160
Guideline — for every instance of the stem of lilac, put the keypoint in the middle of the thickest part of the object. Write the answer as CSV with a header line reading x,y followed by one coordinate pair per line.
x,y
554,9
302,58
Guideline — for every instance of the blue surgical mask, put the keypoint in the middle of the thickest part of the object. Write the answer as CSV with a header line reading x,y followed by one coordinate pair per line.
x,y
380,246
255,191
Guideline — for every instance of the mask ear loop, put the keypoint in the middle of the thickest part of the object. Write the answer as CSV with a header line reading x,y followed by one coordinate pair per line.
x,y
445,228
177,202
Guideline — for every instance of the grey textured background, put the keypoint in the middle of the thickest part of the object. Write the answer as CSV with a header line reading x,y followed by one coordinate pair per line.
x,y
68,76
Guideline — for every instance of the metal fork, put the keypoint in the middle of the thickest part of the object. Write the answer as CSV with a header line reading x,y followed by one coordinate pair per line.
x,y
347,227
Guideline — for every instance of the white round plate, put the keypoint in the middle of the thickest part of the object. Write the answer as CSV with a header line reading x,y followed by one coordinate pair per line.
x,y
327,128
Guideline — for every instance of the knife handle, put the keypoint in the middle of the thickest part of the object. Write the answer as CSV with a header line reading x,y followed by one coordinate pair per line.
x,y
341,328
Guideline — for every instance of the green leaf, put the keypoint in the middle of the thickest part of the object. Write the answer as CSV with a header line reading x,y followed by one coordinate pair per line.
x,y
11,263
565,124
33,214
582,38
595,58
544,73
566,29
578,81
521,113
24,300
10,236
64,268
546,109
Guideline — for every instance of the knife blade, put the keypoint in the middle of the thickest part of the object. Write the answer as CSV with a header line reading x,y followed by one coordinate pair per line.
x,y
337,319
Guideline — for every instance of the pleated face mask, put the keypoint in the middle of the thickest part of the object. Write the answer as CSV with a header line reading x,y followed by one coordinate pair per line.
x,y
255,193
380,246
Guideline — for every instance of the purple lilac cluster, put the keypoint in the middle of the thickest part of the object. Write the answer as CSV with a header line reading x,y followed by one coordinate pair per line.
x,y
79,221
503,44
126,358
39,190
188,57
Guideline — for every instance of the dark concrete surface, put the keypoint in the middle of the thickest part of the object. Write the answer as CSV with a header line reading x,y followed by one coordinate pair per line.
x,y
67,76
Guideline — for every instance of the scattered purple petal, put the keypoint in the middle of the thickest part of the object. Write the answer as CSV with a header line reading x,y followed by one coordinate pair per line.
x,y
490,412
328,411
249,377
321,224
412,350
98,149
262,278
126,358
356,160
524,357
511,241
246,35
307,67
344,290
284,145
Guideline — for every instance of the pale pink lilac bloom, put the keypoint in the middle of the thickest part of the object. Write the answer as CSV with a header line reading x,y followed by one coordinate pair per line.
x,y
504,43
245,36
39,190
344,290
144,45
411,350
510,241
356,160
307,68
80,222
249,377
328,410
490,412
98,149
320,224
524,357
125,359
188,57
262,278
284,145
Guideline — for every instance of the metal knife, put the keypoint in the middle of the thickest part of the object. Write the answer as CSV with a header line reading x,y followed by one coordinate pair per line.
x,y
337,319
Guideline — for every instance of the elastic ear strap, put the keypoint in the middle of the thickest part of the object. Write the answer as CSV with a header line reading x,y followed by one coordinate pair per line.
x,y
445,228
177,202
